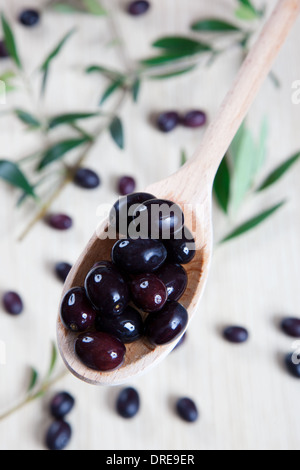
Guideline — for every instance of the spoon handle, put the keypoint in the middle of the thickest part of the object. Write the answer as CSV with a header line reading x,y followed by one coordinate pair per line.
x,y
237,103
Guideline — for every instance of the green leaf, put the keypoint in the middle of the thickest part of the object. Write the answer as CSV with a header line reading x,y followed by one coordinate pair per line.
x,y
274,79
33,379
11,173
248,158
65,8
27,118
10,42
117,132
57,50
112,88
59,150
252,223
279,172
181,43
247,11
46,64
53,360
261,153
69,118
175,48
6,78
247,4
109,73
184,158
135,89
222,185
242,152
167,58
214,25
94,7
176,73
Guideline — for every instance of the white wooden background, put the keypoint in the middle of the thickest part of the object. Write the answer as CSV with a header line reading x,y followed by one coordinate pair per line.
x,y
245,397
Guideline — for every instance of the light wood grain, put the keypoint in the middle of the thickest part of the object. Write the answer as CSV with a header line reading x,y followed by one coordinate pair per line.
x,y
246,399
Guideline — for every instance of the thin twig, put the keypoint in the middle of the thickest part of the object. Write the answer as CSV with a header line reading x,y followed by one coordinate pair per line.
x,y
45,386
69,177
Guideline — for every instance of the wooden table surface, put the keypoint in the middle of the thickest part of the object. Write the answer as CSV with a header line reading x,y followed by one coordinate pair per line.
x,y
245,397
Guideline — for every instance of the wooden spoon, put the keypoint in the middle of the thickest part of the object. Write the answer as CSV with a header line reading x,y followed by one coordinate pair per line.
x,y
191,188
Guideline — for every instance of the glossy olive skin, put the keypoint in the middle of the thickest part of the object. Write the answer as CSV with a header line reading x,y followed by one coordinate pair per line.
x,y
29,17
236,334
182,248
58,435
86,179
158,219
139,256
138,7
128,327
293,366
128,403
13,303
100,351
121,214
167,325
60,221
107,290
187,409
61,405
76,313
62,270
194,119
168,121
175,278
148,292
126,185
291,326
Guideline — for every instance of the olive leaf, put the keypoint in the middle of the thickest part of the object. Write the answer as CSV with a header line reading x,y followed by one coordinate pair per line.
x,y
65,8
28,118
33,379
175,73
183,158
247,11
247,158
135,89
261,152
6,78
46,64
175,48
94,7
107,72
252,223
112,88
242,152
166,58
69,118
280,171
59,150
214,25
10,42
11,173
117,132
181,43
221,185
53,359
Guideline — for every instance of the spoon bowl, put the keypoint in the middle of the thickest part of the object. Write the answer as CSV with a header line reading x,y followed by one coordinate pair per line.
x,y
140,355
190,188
